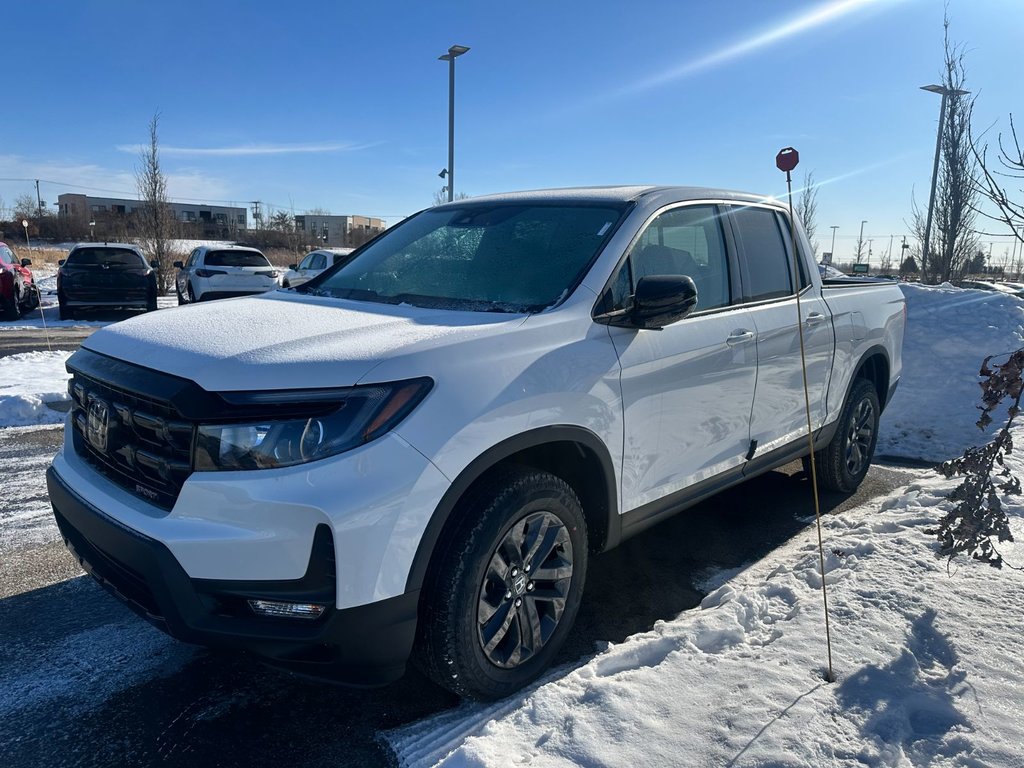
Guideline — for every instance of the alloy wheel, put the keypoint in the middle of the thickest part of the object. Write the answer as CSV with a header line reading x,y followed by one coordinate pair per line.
x,y
524,589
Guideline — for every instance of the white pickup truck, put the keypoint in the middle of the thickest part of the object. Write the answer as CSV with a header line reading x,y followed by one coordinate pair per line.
x,y
414,454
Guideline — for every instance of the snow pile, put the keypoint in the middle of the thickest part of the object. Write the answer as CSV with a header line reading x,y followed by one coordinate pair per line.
x,y
949,332
927,665
31,384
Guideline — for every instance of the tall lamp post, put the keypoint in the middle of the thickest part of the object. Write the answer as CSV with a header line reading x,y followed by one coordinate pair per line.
x,y
945,93
832,253
453,53
860,239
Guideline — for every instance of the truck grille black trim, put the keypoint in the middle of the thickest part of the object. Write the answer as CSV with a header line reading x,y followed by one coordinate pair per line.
x,y
141,444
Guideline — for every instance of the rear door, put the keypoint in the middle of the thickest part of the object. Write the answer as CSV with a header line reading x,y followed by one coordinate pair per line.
x,y
687,389
778,415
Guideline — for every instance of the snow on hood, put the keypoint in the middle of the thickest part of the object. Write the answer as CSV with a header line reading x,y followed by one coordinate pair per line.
x,y
284,341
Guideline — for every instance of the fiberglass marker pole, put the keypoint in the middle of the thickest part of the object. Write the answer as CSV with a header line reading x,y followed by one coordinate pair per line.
x,y
787,160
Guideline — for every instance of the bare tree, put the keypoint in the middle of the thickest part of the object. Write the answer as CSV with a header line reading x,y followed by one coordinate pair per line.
x,y
441,196
155,220
806,209
25,208
993,181
954,239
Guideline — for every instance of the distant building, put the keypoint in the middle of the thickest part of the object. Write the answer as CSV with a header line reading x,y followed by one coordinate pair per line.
x,y
218,221
338,231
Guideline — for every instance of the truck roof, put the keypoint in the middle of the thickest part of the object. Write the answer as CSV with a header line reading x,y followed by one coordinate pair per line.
x,y
615,194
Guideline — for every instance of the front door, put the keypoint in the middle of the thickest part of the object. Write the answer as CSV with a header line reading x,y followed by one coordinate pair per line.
x,y
687,389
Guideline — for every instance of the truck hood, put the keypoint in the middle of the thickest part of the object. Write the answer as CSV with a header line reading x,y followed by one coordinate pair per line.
x,y
285,341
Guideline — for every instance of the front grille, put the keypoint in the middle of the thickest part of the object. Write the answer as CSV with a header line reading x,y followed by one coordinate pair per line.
x,y
141,444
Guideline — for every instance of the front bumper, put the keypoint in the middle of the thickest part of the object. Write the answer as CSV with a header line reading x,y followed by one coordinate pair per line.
x,y
365,646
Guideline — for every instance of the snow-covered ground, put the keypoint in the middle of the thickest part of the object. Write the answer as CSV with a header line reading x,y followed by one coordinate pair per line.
x,y
927,666
33,387
949,332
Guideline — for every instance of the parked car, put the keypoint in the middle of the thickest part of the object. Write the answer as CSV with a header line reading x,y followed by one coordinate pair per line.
x,y
987,285
417,453
105,275
312,264
17,289
220,272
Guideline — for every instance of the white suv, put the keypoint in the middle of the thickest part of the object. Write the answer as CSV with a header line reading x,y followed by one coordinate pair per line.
x,y
312,264
416,453
219,272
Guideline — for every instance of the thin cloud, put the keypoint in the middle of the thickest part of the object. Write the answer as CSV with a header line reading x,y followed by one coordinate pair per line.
x,y
248,150
815,17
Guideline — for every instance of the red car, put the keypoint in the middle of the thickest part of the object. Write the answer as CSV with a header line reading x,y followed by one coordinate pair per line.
x,y
17,292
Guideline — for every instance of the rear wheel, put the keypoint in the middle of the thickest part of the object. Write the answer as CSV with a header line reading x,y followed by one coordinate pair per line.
x,y
191,295
12,307
844,462
505,586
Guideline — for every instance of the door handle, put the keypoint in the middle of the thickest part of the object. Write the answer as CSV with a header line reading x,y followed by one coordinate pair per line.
x,y
739,337
814,318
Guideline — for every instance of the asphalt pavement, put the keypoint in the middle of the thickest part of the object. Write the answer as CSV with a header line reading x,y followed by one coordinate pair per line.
x,y
84,682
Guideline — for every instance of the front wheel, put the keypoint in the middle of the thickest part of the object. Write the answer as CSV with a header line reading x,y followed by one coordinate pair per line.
x,y
505,586
12,307
844,462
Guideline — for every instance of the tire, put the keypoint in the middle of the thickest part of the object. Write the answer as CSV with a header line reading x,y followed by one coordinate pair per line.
x,y
151,303
12,308
181,299
191,295
844,462
64,311
530,616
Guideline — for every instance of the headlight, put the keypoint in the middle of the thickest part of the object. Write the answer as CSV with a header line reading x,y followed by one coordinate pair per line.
x,y
345,419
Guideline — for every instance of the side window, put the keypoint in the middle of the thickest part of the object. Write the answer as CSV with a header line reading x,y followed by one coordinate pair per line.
x,y
192,259
766,263
685,241
318,262
5,256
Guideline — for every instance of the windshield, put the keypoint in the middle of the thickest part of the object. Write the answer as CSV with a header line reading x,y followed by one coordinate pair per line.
x,y
108,257
236,259
498,258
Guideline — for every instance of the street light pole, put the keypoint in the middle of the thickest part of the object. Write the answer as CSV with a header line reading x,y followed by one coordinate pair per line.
x,y
454,52
860,239
945,93
833,251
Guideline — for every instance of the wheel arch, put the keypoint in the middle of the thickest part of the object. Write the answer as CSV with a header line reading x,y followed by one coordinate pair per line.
x,y
570,452
874,366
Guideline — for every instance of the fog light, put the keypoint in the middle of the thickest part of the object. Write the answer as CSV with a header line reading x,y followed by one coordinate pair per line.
x,y
287,610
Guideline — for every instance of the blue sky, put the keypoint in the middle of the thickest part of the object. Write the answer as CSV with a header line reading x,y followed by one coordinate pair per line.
x,y
343,105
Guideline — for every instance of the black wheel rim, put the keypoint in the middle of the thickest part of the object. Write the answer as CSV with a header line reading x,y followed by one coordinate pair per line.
x,y
524,590
860,435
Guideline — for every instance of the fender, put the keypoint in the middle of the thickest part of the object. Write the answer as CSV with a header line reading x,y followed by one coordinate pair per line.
x,y
493,456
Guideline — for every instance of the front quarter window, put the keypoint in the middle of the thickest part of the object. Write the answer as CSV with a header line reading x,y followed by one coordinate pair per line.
x,y
499,257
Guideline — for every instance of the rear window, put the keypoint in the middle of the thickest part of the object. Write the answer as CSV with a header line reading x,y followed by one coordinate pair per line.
x,y
104,256
236,259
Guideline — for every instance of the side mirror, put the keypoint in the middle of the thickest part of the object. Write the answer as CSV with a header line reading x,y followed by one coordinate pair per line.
x,y
155,265
293,266
26,262
60,262
661,300
179,265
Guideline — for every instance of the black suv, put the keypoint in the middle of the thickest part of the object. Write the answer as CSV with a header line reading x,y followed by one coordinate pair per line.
x,y
107,275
